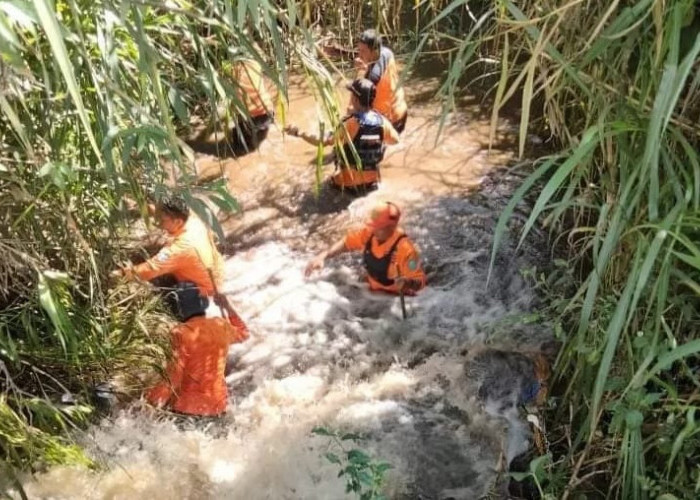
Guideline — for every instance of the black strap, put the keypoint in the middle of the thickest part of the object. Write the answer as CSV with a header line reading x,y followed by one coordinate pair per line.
x,y
368,245
378,267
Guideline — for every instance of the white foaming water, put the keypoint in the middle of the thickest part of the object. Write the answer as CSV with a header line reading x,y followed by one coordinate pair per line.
x,y
325,351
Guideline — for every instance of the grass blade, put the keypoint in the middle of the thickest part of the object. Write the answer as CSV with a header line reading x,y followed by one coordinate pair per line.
x,y
588,143
49,23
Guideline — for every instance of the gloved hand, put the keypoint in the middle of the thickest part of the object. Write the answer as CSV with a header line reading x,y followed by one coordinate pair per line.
x,y
360,65
407,284
292,130
315,265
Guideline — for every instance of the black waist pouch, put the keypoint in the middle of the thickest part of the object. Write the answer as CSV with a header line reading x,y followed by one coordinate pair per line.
x,y
182,298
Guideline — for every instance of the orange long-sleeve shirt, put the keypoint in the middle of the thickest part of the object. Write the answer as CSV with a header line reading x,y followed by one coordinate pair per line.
x,y
405,262
189,257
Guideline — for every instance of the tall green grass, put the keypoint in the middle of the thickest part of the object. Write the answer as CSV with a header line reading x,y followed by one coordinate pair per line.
x,y
614,86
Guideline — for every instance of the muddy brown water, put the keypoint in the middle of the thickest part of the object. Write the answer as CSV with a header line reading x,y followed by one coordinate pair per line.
x,y
324,351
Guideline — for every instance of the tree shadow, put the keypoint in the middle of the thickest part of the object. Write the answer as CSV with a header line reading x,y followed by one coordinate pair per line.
x,y
327,199
229,143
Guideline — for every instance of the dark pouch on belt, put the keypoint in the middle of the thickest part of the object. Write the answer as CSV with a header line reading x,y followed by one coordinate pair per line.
x,y
182,298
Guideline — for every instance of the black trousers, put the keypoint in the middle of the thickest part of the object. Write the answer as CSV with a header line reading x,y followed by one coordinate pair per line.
x,y
248,134
400,124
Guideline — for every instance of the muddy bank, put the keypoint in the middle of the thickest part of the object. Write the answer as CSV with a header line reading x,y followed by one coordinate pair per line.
x,y
325,351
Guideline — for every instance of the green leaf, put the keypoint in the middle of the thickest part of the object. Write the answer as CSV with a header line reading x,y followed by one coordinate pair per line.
x,y
519,476
691,260
612,336
365,478
535,34
52,28
204,213
383,467
333,458
666,360
322,431
352,436
444,12
690,429
227,204
358,456
634,419
17,126
57,314
526,104
175,98
588,143
501,225
537,465
21,13
651,399
640,342
648,264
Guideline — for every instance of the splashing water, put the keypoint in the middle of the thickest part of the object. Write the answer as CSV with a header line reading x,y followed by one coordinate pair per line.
x,y
325,351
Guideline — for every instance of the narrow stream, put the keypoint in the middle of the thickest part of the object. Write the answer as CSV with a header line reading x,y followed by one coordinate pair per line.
x,y
325,351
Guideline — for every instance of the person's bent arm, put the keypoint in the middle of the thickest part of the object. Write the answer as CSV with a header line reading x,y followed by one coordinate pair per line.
x,y
390,134
409,270
361,67
312,139
164,262
318,262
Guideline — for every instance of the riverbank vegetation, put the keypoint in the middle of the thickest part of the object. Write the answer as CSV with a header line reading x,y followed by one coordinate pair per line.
x,y
614,86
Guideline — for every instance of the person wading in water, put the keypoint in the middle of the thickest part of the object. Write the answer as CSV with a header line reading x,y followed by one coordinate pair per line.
x,y
366,131
193,269
376,63
390,258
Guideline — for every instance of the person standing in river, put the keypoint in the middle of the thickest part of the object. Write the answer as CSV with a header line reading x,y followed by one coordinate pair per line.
x,y
195,384
252,94
363,137
390,258
377,63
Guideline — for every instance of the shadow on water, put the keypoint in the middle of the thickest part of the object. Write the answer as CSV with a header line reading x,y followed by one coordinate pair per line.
x,y
224,144
329,199
290,217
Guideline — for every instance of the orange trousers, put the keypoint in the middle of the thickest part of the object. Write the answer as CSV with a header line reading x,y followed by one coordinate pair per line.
x,y
196,384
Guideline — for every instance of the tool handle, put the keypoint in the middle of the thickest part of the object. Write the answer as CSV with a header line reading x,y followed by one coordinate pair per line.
x,y
402,297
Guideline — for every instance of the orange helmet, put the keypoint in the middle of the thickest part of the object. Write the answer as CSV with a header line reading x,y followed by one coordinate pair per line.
x,y
384,214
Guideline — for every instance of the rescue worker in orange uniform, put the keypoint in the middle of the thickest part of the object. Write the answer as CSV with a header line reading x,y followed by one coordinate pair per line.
x,y
195,384
377,63
253,106
391,260
368,131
